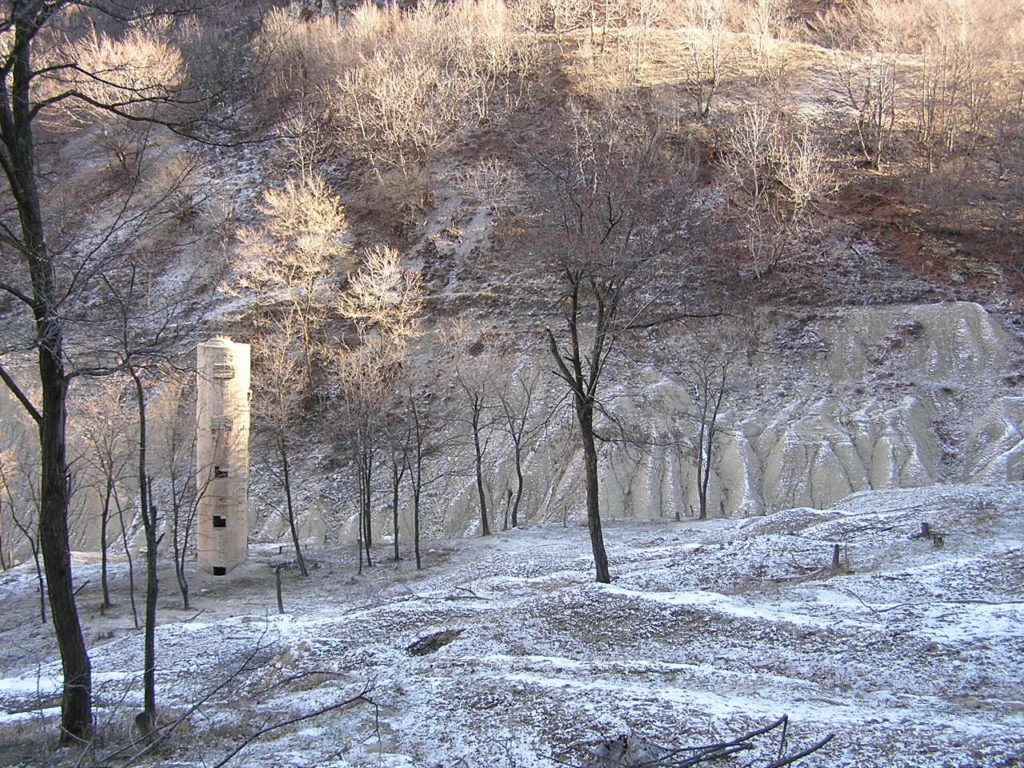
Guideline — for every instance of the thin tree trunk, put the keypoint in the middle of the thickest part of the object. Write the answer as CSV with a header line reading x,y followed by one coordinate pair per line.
x,y
41,581
367,500
128,557
519,486
485,529
103,544
149,515
180,553
701,485
585,416
416,526
179,573
707,440
33,544
277,584
283,451
179,495
396,480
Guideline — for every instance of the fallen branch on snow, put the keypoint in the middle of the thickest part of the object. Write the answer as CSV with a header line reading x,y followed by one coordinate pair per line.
x,y
362,696
636,752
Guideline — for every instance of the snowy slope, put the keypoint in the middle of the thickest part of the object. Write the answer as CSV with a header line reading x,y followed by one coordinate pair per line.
x,y
913,655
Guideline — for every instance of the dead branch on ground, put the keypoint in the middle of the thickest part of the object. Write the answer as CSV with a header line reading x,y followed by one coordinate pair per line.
x,y
636,752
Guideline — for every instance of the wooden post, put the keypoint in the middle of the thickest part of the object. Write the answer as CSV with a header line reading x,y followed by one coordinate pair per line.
x,y
835,557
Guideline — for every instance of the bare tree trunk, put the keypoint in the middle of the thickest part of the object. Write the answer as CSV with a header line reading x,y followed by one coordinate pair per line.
x,y
128,556
76,701
34,546
16,114
585,416
277,584
416,526
519,486
33,543
485,529
396,480
149,522
282,447
367,500
104,583
708,429
180,552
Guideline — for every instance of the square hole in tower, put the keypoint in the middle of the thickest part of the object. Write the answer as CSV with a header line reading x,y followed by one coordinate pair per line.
x,y
219,521
220,570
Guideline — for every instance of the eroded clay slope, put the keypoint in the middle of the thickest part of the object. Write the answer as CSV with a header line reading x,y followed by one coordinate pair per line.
x,y
835,403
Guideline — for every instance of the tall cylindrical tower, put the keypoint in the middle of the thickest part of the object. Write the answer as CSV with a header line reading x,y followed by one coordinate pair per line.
x,y
222,454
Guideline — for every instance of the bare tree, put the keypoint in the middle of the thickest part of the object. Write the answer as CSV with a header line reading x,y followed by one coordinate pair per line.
x,y
292,261
866,43
384,301
365,376
26,522
279,390
107,456
766,24
709,50
45,78
778,177
174,416
607,229
708,376
126,539
516,401
476,400
961,50
425,443
397,433
6,520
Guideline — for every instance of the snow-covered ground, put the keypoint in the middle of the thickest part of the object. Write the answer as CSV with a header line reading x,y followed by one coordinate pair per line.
x,y
912,654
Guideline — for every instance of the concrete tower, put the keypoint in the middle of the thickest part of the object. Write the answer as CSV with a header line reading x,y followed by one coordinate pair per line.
x,y
222,454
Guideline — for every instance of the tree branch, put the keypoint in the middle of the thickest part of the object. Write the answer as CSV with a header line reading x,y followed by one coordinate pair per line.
x,y
20,395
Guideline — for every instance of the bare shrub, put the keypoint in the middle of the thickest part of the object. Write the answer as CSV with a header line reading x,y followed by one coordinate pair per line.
x,y
383,298
395,110
766,24
297,56
492,52
135,74
955,89
393,85
866,42
778,175
491,181
292,259
421,74
709,50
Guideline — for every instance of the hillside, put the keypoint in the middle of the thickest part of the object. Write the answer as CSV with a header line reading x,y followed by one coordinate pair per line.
x,y
786,238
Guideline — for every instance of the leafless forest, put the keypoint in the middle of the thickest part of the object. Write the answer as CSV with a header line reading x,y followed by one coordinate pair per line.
x,y
545,271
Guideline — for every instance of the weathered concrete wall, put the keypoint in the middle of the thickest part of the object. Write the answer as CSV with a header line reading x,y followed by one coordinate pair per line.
x,y
222,454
